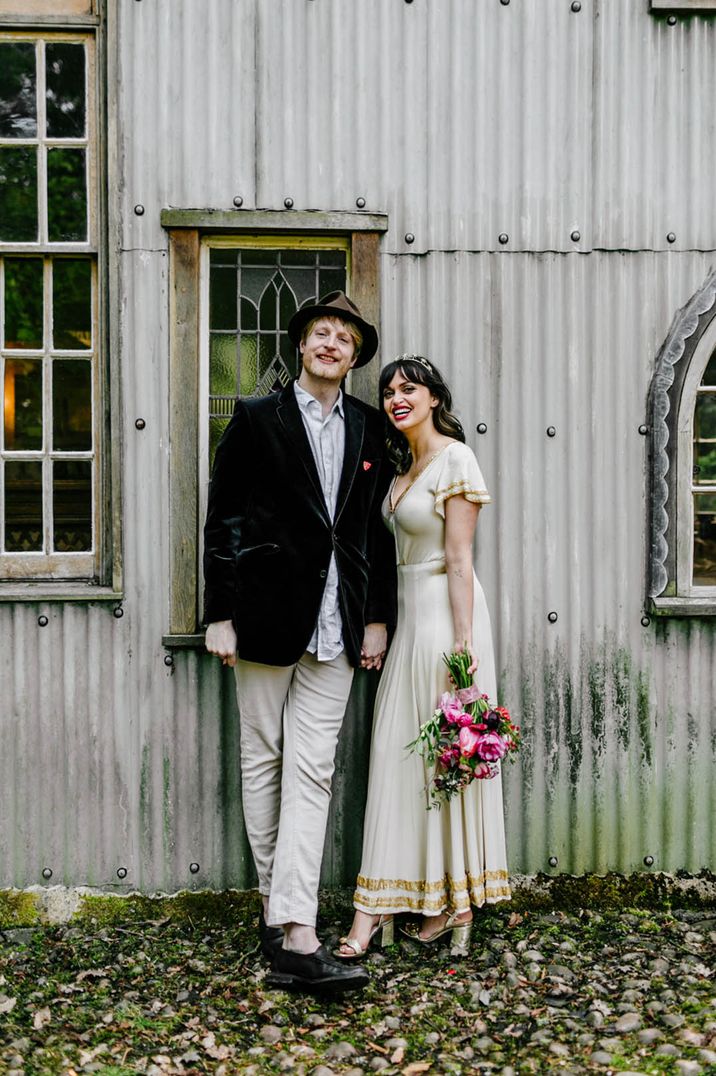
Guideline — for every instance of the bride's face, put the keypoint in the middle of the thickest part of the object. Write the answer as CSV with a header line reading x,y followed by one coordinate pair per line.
x,y
408,404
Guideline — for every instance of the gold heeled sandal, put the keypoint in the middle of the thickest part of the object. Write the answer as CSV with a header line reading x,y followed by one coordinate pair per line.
x,y
460,934
386,928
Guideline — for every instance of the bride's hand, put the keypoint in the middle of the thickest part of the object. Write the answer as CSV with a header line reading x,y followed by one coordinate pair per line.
x,y
459,648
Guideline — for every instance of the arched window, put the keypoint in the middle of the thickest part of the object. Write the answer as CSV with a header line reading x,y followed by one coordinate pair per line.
x,y
682,506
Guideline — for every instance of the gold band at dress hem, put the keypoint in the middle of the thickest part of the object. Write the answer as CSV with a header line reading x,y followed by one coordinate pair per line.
x,y
431,887
431,897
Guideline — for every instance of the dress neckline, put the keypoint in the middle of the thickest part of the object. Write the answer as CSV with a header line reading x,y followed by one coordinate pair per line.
x,y
393,506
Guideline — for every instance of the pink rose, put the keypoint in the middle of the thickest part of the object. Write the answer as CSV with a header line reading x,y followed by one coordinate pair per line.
x,y
463,720
468,739
491,746
450,707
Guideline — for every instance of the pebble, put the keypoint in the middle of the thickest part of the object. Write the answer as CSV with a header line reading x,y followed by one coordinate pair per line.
x,y
667,1049
270,1034
708,1057
340,1051
595,1018
673,1019
533,972
392,1022
394,1044
559,971
688,1067
648,1035
534,956
322,1070
560,1049
601,1057
314,1019
630,1021
693,1038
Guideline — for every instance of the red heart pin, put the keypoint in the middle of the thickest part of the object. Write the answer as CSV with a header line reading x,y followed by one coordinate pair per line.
x,y
367,465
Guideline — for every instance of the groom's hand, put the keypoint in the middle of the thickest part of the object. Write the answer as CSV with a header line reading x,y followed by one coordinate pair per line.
x,y
221,640
375,643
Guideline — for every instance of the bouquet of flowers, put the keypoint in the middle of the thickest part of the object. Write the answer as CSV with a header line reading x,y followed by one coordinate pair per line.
x,y
466,736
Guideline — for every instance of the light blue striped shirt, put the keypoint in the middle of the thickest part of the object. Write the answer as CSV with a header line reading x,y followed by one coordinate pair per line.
x,y
327,438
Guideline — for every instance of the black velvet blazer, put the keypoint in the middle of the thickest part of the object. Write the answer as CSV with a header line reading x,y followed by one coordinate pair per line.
x,y
268,537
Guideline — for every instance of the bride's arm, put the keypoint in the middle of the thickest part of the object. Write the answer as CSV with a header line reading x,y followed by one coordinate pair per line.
x,y
460,522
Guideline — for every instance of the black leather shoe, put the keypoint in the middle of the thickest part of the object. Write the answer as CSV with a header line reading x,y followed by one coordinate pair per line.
x,y
314,973
271,938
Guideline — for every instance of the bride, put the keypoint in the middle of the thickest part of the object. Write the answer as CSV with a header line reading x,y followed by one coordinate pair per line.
x,y
437,862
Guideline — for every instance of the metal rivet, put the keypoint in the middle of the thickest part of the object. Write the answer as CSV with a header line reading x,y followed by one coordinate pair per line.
x,y
576,6
408,1
553,861
139,210
194,868
552,617
360,202
47,872
140,423
643,430
168,660
118,612
503,238
645,621
121,872
43,621
648,861
672,20
551,431
409,237
576,236
481,427
288,202
671,237
504,2
238,201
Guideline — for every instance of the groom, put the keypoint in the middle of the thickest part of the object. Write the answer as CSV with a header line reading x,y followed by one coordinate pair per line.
x,y
299,573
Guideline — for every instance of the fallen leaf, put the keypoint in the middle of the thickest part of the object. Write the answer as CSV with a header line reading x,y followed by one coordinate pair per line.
x,y
397,1055
415,1067
375,1046
41,1017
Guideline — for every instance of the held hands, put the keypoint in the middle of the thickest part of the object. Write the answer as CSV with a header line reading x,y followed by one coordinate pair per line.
x,y
375,643
221,640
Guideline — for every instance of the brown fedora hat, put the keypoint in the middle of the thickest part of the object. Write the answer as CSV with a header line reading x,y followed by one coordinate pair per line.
x,y
336,305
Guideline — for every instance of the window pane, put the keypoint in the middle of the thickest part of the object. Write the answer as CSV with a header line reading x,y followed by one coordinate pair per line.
x,y
222,368
222,312
18,99
23,506
709,377
65,90
72,506
705,539
72,303
66,195
71,405
22,405
18,194
705,439
23,303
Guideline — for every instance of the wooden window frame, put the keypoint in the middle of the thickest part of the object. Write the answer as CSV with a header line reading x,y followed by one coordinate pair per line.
x,y
692,7
84,19
186,231
679,368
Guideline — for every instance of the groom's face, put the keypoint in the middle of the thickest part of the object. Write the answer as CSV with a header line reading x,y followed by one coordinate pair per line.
x,y
328,351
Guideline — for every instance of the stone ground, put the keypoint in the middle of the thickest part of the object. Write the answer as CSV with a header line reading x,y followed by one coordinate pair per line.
x,y
627,990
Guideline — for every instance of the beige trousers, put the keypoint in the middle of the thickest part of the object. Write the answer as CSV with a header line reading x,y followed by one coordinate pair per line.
x,y
290,720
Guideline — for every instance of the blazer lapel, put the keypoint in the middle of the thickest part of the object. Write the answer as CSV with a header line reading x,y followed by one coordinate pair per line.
x,y
289,416
355,428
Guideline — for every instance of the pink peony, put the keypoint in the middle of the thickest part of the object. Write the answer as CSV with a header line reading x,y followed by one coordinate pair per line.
x,y
451,708
464,719
491,746
469,739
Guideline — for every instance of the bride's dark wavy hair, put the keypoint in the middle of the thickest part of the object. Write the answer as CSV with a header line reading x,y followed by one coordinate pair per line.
x,y
420,371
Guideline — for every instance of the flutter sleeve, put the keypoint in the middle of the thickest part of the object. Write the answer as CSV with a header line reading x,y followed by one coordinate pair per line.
x,y
459,475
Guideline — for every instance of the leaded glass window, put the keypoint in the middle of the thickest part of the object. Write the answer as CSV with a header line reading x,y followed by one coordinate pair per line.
x,y
704,479
48,289
253,293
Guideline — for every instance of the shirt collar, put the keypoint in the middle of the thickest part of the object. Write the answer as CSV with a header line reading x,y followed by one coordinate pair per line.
x,y
305,400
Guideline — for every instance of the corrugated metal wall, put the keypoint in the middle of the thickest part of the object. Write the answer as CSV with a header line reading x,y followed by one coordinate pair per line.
x,y
463,121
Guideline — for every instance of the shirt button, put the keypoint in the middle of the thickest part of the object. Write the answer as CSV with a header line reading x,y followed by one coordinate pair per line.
x,y
323,573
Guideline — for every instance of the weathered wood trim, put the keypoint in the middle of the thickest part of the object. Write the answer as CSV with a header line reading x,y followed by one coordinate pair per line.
x,y
663,607
693,6
266,220
365,292
26,10
183,428
195,641
42,592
